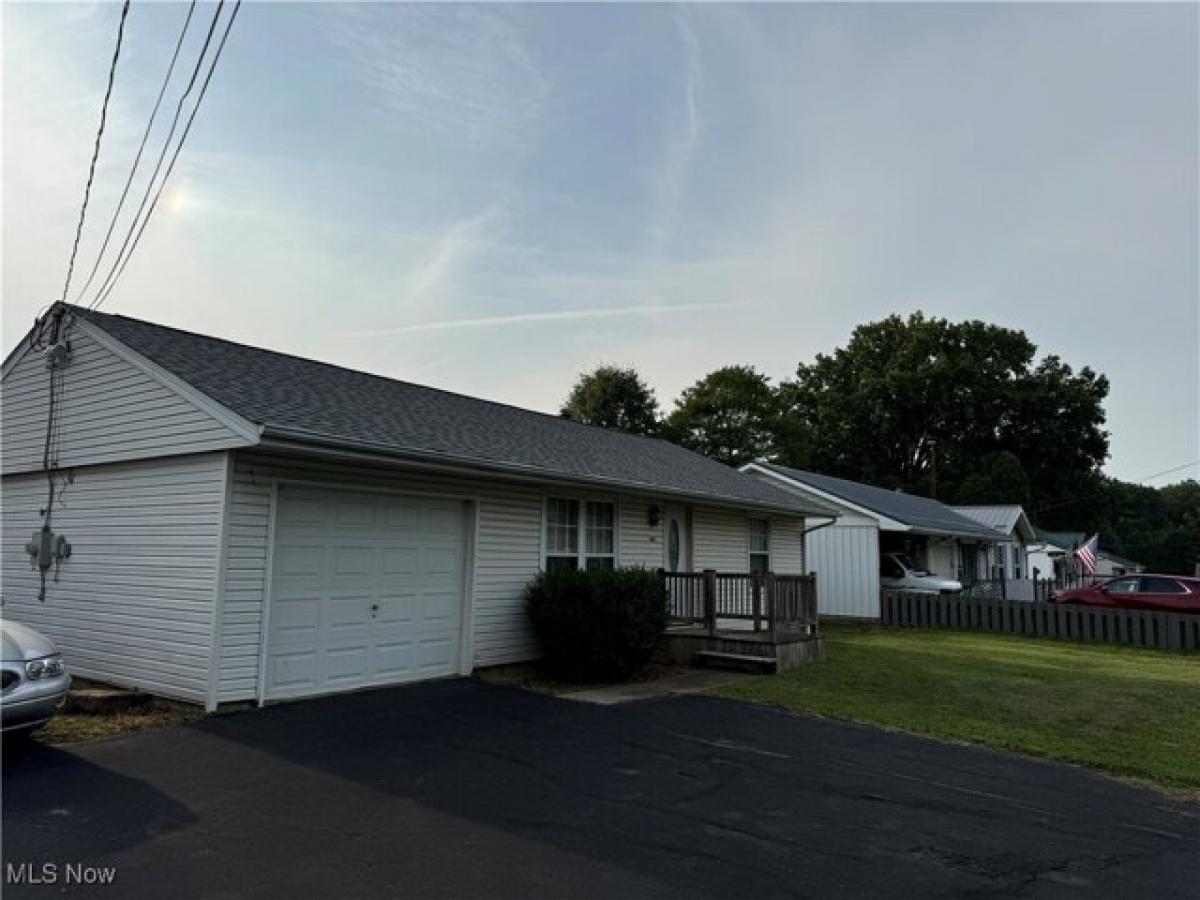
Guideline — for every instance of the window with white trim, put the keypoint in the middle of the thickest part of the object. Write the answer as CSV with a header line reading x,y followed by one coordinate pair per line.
x,y
580,534
760,545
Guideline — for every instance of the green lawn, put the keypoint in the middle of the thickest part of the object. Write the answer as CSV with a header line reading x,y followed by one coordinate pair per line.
x,y
1126,711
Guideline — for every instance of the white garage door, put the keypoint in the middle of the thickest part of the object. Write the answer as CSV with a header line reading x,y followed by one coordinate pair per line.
x,y
366,589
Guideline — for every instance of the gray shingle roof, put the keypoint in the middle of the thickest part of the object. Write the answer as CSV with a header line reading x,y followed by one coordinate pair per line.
x,y
1004,518
305,399
919,513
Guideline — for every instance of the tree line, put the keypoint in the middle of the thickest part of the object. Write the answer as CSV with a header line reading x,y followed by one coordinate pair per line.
x,y
962,411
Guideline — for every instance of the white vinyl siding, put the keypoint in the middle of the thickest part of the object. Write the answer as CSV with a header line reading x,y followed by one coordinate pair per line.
x,y
845,557
134,604
640,545
787,546
110,411
720,539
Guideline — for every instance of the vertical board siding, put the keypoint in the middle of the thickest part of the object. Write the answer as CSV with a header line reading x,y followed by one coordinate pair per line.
x,y
134,603
640,545
507,555
846,560
110,411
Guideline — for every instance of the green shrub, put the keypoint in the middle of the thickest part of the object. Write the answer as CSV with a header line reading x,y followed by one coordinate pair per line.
x,y
597,625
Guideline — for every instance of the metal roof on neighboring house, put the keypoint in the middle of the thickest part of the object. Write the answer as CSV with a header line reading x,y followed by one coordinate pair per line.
x,y
303,400
1005,518
1065,540
921,514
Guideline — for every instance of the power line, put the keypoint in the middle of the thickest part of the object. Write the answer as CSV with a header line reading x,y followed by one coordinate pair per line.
x,y
138,158
87,189
133,225
178,147
1072,500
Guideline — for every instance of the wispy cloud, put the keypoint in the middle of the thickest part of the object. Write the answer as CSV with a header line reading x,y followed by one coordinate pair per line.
x,y
561,315
452,250
681,144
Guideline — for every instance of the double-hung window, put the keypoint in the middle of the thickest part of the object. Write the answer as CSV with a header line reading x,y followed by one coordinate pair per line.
x,y
580,534
760,545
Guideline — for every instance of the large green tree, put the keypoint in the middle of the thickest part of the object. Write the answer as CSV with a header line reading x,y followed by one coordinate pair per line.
x,y
729,415
908,401
613,397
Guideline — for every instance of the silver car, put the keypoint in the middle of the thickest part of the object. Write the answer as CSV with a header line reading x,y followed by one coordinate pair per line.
x,y
33,679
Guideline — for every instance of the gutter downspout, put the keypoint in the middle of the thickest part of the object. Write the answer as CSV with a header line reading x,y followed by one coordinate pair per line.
x,y
806,531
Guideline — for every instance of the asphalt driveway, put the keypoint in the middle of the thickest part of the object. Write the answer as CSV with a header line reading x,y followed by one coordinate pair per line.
x,y
460,789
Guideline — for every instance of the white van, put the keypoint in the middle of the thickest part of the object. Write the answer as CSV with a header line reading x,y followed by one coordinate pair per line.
x,y
898,572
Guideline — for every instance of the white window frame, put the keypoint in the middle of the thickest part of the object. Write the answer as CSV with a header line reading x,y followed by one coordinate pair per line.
x,y
750,544
582,555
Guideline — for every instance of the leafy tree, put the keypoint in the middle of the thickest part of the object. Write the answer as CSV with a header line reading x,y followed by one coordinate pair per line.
x,y
905,394
729,415
613,397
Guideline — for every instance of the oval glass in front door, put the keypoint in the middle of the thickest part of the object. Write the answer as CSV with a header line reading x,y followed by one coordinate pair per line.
x,y
673,546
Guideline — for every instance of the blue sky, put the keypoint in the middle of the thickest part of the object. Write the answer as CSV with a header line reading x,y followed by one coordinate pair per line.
x,y
492,198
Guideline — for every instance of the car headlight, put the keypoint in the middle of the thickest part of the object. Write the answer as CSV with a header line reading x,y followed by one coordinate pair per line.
x,y
46,667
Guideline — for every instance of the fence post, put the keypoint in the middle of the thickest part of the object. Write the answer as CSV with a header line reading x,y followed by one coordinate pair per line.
x,y
772,603
756,588
710,600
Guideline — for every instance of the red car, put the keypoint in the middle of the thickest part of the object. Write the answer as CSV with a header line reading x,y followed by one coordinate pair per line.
x,y
1164,593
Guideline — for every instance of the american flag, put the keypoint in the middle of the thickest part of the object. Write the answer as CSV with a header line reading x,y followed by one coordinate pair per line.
x,y
1087,554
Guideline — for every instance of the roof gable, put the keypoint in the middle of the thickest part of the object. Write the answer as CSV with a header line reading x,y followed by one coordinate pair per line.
x,y
304,400
920,514
1007,518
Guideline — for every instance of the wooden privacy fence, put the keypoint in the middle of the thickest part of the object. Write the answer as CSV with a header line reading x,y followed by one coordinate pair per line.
x,y
1027,589
757,601
1063,621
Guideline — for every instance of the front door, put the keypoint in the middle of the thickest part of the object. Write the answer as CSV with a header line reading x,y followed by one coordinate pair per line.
x,y
677,540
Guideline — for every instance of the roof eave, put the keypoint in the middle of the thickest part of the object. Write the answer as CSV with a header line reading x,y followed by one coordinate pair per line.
x,y
282,438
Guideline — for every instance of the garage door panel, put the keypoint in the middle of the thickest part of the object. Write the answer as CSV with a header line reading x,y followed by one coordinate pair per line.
x,y
396,609
402,517
350,562
293,615
298,560
365,590
435,656
345,664
288,672
399,561
393,660
356,512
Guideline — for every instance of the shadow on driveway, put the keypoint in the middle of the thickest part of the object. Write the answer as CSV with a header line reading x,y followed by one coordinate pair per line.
x,y
460,789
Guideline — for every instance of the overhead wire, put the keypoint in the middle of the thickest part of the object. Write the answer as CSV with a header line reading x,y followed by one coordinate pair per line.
x,y
87,188
138,157
126,249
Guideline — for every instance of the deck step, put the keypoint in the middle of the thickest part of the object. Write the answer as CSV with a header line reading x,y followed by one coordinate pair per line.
x,y
734,662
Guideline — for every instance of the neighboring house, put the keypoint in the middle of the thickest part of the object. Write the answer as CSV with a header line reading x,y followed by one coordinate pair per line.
x,y
1008,558
247,525
1050,552
1110,564
872,521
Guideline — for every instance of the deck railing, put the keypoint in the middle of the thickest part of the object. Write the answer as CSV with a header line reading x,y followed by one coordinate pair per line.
x,y
743,601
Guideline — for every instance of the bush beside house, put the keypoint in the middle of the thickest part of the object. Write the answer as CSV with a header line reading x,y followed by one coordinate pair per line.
x,y
597,625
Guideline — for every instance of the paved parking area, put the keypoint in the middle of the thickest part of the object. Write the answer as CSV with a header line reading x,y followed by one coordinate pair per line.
x,y
460,789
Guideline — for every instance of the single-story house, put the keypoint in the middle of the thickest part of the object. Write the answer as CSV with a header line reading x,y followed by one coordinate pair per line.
x,y
1007,558
233,524
1109,564
1048,555
1051,554
871,521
